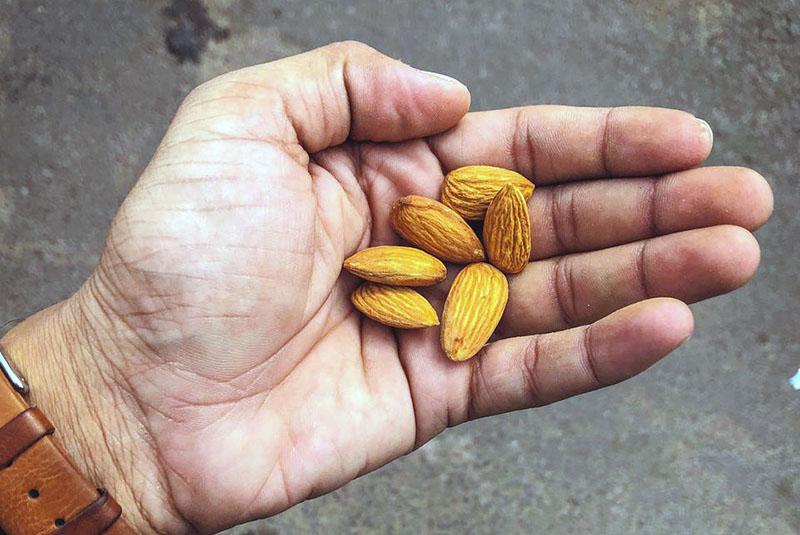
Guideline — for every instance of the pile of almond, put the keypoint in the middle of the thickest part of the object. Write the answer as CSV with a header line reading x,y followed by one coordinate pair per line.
x,y
478,296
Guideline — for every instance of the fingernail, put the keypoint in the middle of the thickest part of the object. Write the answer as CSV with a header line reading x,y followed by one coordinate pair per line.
x,y
443,77
707,131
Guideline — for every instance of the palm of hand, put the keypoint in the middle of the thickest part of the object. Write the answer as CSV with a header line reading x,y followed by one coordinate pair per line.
x,y
286,392
260,384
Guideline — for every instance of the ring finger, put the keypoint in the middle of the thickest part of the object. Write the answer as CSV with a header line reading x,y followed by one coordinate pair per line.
x,y
577,289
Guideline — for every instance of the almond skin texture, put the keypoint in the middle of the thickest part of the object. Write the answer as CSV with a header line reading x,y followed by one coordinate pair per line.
x,y
396,266
437,229
469,190
403,308
472,311
507,230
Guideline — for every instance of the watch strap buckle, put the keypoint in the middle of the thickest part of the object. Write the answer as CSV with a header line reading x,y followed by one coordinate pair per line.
x,y
16,380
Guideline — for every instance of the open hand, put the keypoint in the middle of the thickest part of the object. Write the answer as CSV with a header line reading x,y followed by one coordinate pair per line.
x,y
233,378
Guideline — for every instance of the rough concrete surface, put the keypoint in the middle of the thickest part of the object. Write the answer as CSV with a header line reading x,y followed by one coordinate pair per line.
x,y
706,442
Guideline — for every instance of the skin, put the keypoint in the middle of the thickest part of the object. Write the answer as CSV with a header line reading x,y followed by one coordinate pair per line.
x,y
212,369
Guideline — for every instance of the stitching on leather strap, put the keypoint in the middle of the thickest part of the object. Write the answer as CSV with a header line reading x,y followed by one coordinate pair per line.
x,y
95,519
25,430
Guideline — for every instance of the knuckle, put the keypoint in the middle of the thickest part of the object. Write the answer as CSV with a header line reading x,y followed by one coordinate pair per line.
x,y
565,220
589,358
523,145
476,391
529,363
606,140
564,290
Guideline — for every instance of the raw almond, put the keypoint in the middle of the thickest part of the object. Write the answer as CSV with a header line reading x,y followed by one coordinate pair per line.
x,y
396,266
394,306
437,229
469,190
472,311
507,230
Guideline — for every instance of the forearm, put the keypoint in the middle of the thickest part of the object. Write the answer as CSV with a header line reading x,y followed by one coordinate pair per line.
x,y
63,353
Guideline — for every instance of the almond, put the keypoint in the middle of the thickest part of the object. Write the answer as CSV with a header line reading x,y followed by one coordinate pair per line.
x,y
394,306
437,229
469,190
396,266
507,230
472,311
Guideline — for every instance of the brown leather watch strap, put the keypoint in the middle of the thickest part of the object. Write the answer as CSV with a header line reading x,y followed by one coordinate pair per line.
x,y
96,518
41,491
21,433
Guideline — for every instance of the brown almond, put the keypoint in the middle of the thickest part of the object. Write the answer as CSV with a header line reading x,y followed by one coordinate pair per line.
x,y
469,190
396,266
437,229
472,311
394,306
507,230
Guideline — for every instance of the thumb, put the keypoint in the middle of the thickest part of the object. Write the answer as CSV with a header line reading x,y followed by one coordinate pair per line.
x,y
344,90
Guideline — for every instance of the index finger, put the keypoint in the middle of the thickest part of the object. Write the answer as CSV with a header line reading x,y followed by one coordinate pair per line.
x,y
550,144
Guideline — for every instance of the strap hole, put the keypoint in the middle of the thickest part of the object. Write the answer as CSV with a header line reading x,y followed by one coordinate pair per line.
x,y
33,494
59,522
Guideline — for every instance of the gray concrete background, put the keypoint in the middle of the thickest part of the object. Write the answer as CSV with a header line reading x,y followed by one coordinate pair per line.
x,y
706,442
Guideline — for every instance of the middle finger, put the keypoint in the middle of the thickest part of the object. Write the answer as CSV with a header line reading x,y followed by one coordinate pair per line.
x,y
585,216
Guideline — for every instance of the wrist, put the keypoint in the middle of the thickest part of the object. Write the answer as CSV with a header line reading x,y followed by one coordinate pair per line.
x,y
66,353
